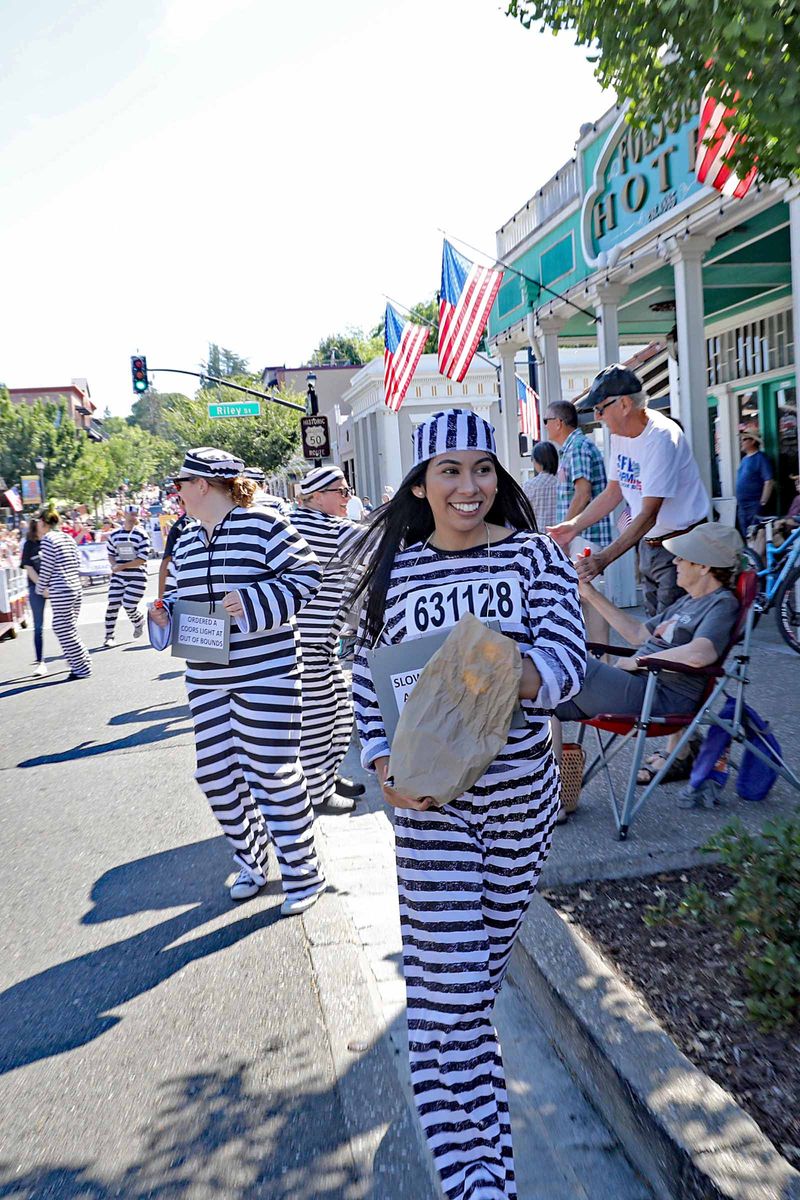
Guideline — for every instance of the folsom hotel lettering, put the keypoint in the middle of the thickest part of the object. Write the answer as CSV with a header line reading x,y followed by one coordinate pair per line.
x,y
643,172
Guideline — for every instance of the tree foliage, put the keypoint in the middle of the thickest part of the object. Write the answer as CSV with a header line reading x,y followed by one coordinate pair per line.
x,y
352,346
427,313
267,441
28,431
148,410
662,56
223,363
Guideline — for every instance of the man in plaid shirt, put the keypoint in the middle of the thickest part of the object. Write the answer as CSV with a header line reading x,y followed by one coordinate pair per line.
x,y
581,472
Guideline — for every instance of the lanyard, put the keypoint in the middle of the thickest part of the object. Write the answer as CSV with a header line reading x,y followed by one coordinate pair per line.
x,y
210,551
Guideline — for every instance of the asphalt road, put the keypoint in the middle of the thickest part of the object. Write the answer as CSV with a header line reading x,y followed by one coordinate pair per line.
x,y
157,1040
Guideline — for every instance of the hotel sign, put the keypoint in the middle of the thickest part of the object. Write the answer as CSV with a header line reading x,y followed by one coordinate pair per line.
x,y
641,176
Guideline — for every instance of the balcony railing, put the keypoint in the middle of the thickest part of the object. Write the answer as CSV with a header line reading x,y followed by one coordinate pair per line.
x,y
557,193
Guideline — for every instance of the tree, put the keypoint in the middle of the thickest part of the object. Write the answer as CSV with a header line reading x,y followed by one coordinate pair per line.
x,y
223,363
662,56
267,441
148,410
352,347
88,479
30,431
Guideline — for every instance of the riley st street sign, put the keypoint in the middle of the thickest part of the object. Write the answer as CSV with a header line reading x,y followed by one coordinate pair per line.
x,y
248,408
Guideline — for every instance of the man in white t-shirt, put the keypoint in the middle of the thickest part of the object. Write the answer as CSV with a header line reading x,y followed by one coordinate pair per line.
x,y
355,509
652,468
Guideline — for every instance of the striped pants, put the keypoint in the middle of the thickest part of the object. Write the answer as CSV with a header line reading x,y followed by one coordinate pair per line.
x,y
466,874
66,605
327,721
126,589
247,745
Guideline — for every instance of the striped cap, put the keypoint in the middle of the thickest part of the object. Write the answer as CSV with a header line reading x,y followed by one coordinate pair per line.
x,y
254,473
455,429
132,508
321,478
208,463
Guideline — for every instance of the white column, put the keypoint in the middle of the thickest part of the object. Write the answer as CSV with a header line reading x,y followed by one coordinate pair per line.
x,y
509,448
686,256
728,428
606,298
549,328
793,201
391,454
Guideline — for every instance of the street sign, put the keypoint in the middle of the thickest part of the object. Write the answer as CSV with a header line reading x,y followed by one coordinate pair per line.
x,y
316,439
248,408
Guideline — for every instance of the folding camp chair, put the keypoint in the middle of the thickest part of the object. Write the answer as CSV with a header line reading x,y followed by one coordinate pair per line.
x,y
719,676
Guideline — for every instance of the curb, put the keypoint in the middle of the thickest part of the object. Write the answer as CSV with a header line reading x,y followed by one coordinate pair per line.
x,y
686,1135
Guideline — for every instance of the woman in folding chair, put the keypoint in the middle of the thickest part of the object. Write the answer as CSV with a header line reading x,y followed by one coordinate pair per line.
x,y
693,631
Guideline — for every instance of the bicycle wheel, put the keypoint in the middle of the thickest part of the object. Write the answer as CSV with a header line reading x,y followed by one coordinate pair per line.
x,y
756,563
787,609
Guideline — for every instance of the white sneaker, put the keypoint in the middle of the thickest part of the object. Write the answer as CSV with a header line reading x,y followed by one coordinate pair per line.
x,y
138,628
41,669
109,642
293,906
246,885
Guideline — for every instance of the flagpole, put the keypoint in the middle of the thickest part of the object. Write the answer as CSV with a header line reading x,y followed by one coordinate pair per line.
x,y
499,262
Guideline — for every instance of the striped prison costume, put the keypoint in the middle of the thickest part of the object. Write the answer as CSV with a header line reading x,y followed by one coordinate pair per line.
x,y
59,577
466,872
327,709
247,713
127,587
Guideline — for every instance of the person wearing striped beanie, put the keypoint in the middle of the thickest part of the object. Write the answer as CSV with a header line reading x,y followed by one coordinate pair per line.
x,y
263,498
327,708
128,551
459,536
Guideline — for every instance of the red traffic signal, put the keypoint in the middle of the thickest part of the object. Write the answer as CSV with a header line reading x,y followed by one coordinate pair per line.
x,y
139,373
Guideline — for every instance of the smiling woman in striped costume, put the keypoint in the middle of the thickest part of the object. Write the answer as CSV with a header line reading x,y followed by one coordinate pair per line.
x,y
250,564
459,535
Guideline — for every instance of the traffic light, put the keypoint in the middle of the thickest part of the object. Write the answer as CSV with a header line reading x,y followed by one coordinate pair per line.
x,y
139,373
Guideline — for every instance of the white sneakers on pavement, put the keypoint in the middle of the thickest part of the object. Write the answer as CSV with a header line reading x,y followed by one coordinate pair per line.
x,y
109,642
293,906
39,670
246,885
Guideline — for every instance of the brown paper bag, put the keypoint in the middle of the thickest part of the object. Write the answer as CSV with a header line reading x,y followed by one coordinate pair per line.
x,y
456,720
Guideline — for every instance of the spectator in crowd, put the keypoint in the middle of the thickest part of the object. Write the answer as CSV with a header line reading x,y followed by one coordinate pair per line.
x,y
31,562
792,519
355,509
541,490
581,471
653,470
755,481
105,530
365,500
387,493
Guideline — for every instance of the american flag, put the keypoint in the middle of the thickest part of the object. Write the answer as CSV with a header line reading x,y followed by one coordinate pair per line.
x,y
528,410
714,145
403,344
466,297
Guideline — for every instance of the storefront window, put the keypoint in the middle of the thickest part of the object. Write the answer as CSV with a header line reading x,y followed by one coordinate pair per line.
x,y
748,411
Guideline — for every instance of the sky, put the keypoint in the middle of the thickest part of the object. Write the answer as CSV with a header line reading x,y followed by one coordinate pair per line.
x,y
254,173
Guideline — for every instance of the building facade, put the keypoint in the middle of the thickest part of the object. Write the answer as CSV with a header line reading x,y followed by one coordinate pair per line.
x,y
623,246
75,396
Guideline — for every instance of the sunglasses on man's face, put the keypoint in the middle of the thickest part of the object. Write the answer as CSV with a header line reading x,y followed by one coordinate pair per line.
x,y
181,480
343,491
599,409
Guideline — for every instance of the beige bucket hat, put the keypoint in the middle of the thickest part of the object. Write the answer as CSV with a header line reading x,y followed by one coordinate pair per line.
x,y
709,544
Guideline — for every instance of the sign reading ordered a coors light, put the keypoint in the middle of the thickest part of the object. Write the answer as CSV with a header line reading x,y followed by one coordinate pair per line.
x,y
640,177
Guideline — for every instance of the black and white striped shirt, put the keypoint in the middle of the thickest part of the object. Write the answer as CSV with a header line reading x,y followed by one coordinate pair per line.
x,y
527,585
124,546
60,567
256,553
330,538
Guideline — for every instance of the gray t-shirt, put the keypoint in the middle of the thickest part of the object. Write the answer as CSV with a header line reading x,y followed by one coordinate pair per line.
x,y
712,616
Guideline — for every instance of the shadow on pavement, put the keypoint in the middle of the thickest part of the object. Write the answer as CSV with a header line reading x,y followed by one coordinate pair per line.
x,y
167,723
72,1003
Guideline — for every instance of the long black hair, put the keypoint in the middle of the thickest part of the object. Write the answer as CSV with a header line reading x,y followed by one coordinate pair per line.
x,y
408,519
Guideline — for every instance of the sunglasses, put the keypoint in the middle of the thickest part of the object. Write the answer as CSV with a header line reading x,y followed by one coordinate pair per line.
x,y
343,491
182,479
599,409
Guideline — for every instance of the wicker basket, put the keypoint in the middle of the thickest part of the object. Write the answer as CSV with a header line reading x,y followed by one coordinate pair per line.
x,y
573,761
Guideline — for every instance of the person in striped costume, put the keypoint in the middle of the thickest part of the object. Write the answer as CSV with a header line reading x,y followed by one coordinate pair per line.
x,y
59,580
327,709
128,551
263,498
250,564
458,536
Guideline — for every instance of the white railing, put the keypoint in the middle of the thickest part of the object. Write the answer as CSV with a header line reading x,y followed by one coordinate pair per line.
x,y
557,193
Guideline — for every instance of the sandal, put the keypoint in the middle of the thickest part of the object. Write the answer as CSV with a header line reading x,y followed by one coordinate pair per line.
x,y
679,770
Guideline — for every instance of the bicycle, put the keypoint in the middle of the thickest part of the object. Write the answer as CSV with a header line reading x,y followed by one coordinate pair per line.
x,y
779,582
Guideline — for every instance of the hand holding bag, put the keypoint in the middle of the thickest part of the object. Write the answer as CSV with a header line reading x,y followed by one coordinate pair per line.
x,y
456,720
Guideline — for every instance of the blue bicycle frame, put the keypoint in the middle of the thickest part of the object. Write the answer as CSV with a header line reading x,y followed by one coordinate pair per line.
x,y
790,551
